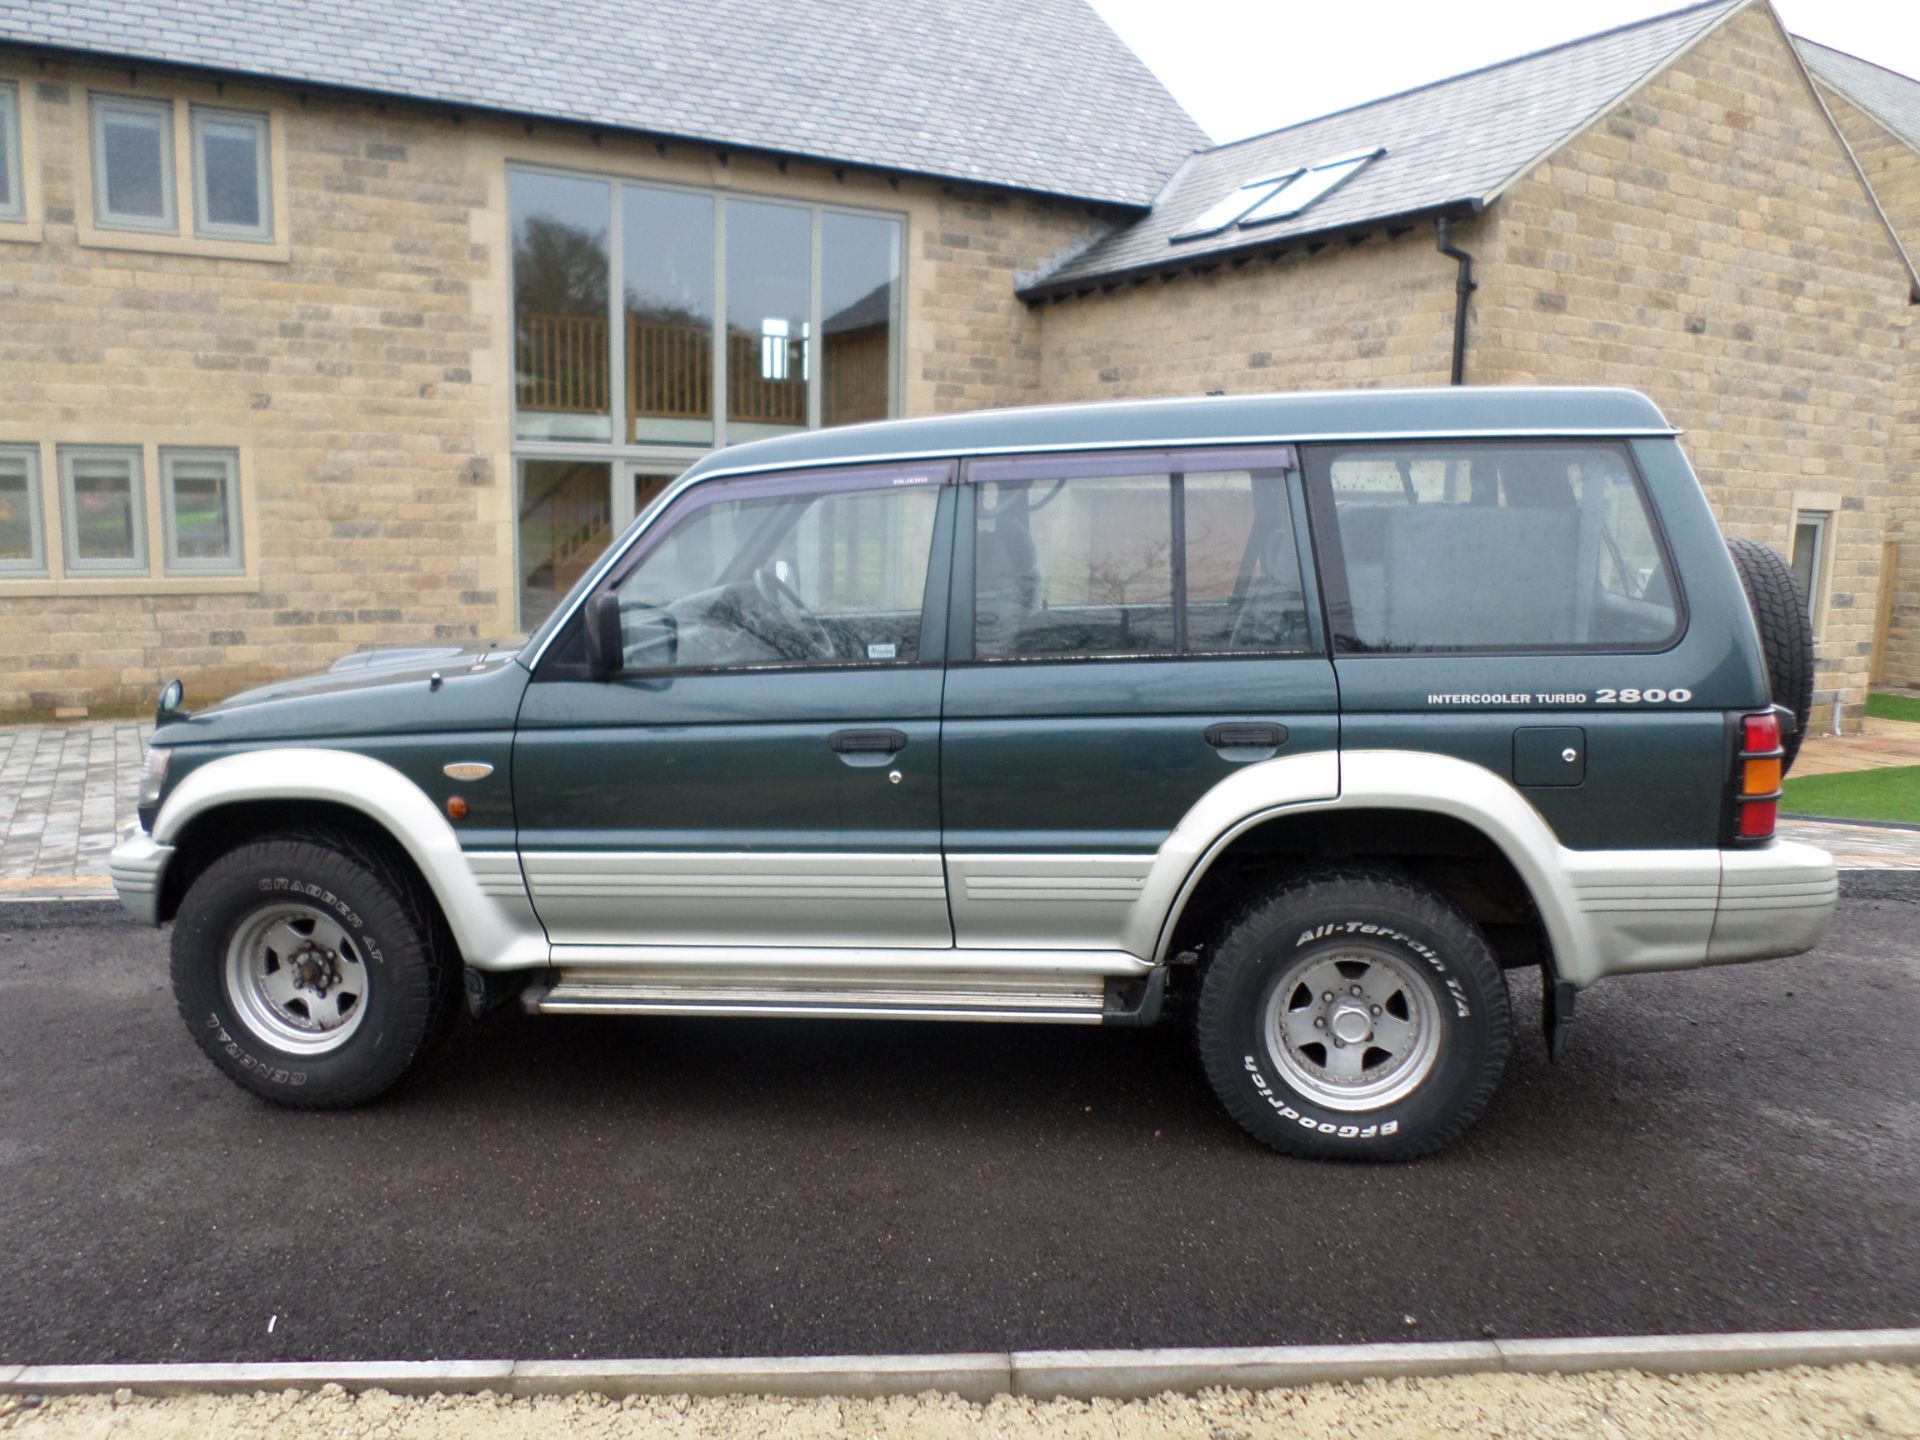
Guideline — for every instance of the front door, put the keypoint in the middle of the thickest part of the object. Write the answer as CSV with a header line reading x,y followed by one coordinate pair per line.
x,y
1129,631
765,770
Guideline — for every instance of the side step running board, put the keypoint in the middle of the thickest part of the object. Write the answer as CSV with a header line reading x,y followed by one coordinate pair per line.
x,y
1068,1000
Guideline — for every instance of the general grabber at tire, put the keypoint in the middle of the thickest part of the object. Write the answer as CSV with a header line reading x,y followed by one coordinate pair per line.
x,y
1353,1014
307,970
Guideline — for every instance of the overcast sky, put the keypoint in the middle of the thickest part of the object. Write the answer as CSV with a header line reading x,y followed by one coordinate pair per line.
x,y
1244,66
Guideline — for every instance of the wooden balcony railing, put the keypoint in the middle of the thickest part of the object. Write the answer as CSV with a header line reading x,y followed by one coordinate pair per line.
x,y
561,362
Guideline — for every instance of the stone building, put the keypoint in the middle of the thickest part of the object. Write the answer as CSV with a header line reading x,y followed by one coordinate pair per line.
x,y
324,327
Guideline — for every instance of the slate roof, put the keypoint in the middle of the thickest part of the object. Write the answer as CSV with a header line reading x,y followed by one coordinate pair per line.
x,y
1890,97
1032,94
1451,146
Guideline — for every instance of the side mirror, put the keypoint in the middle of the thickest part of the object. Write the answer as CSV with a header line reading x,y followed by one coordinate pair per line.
x,y
605,653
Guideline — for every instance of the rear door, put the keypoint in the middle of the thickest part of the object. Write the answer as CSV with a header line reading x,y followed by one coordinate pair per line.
x,y
1128,631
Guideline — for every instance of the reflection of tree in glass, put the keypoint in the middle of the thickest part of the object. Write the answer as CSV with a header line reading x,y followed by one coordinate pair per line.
x,y
1111,576
559,269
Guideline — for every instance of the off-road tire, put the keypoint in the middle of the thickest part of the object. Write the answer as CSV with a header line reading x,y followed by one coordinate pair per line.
x,y
1786,633
1318,913
413,971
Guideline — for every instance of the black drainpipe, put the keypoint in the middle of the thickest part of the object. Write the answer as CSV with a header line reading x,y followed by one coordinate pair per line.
x,y
1462,288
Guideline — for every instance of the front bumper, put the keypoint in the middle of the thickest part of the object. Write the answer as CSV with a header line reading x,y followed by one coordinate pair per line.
x,y
137,864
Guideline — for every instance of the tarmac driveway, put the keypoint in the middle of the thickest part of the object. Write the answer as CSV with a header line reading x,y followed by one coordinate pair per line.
x,y
1724,1150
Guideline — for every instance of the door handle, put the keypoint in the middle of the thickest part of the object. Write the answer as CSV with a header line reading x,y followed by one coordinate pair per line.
x,y
867,742
1246,735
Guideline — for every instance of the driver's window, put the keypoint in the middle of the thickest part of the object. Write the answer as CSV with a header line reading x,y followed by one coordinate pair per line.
x,y
783,572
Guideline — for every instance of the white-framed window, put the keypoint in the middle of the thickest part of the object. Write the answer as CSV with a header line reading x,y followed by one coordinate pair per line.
x,y
200,500
133,164
103,510
13,200
23,536
1812,544
232,187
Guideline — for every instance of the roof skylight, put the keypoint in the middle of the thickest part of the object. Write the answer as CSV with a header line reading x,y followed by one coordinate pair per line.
x,y
1276,197
1222,215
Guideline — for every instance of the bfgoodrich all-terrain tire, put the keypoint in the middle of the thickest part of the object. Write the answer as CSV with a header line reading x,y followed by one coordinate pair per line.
x,y
1353,1014
307,971
1786,632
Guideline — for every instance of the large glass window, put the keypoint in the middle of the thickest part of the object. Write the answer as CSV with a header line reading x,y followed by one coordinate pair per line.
x,y
666,248
561,272
1178,561
132,164
230,175
860,316
103,501
12,201
769,305
809,332
1449,547
784,572
22,535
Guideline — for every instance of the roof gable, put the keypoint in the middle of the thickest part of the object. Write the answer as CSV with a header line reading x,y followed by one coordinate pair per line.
x,y
1454,144
1890,97
1031,94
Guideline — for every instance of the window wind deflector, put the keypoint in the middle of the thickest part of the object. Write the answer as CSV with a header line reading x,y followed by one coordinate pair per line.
x,y
1307,188
1224,213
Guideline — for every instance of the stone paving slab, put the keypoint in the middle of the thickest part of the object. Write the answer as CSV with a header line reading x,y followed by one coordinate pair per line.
x,y
65,791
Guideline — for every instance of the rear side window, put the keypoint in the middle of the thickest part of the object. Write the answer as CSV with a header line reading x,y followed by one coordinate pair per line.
x,y
1179,555
1518,547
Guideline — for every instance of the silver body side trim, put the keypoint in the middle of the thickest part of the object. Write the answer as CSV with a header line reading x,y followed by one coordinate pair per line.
x,y
138,864
1073,901
739,897
493,923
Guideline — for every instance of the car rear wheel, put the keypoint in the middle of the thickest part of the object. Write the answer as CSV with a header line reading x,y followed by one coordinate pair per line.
x,y
1353,1014
308,972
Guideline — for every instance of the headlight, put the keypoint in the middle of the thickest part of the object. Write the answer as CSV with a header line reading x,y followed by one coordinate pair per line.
x,y
152,779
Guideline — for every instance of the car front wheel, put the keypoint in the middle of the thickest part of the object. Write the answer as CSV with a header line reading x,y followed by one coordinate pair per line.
x,y
1353,1014
308,972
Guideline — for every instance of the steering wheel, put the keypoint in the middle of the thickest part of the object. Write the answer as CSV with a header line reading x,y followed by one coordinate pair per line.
x,y
796,618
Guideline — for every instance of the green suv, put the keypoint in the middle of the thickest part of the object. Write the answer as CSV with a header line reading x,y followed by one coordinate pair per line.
x,y
1300,717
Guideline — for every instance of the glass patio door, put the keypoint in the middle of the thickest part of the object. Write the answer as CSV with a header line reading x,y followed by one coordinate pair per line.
x,y
569,512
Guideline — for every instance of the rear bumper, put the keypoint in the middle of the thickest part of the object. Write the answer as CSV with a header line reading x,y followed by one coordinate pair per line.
x,y
1774,901
137,864
1634,911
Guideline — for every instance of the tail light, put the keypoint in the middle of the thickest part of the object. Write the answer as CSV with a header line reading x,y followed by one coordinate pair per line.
x,y
1757,774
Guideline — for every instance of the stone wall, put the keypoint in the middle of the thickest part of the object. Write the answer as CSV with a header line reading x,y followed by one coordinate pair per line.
x,y
1708,242
1375,313
1893,167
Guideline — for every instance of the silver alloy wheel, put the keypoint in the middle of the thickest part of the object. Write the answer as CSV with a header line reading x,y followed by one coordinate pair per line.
x,y
296,979
1353,1029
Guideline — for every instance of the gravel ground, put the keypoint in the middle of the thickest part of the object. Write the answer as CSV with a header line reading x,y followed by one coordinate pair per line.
x,y
1852,1400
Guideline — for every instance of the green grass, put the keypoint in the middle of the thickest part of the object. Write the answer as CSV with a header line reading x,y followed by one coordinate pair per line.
x,y
1889,794
1894,707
